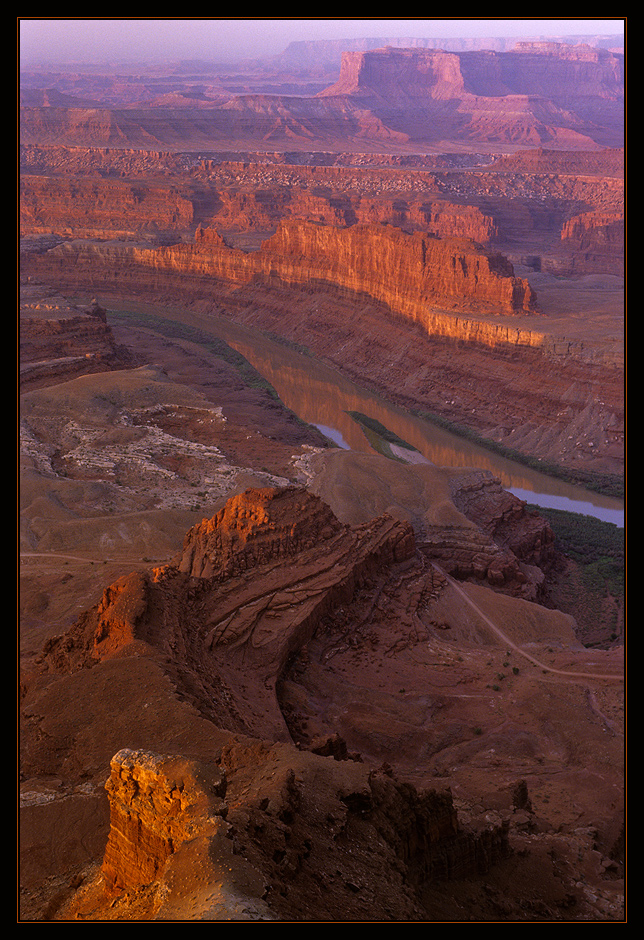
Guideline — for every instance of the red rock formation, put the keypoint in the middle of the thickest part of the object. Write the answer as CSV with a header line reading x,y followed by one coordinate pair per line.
x,y
539,92
543,69
264,210
519,545
596,241
192,841
251,608
96,208
58,340
240,822
409,273
398,74
564,94
606,163
98,193
225,619
155,806
256,527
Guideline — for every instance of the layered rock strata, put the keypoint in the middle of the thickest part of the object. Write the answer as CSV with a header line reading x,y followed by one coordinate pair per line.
x,y
253,610
569,95
539,91
253,809
508,547
418,276
155,806
233,197
199,841
547,69
101,208
63,340
594,244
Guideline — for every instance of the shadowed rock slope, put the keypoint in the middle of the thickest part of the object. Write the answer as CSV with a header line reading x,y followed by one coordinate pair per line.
x,y
234,792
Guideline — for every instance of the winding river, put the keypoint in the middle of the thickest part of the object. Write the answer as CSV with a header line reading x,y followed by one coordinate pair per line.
x,y
322,396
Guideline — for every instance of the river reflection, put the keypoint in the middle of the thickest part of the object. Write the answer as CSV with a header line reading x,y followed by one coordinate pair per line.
x,y
321,396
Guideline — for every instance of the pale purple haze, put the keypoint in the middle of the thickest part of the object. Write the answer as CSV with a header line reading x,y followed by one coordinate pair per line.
x,y
230,40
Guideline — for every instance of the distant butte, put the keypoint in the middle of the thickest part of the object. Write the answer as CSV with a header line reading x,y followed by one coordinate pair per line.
x,y
568,97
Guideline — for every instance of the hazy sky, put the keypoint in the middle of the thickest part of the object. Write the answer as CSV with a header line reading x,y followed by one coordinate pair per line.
x,y
147,40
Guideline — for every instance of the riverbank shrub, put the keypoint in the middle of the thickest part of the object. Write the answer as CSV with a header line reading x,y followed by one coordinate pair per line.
x,y
598,547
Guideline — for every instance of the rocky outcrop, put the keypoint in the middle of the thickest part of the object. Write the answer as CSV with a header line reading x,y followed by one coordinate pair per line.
x,y
182,846
155,806
262,685
262,210
594,243
511,548
252,585
503,516
59,341
407,272
101,208
607,163
232,607
226,618
254,528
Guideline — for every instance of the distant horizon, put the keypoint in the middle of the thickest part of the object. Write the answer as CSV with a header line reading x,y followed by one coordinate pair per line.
x,y
148,41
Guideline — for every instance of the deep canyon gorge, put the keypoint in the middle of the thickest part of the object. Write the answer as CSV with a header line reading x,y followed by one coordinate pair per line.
x,y
301,636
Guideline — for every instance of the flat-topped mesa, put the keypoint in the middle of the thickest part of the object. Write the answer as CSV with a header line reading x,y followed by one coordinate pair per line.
x,y
398,73
550,70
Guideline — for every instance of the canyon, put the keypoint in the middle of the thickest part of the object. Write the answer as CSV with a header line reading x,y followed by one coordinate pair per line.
x,y
260,672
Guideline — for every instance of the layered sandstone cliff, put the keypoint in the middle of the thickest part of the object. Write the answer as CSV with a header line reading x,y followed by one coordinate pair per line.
x,y
183,846
152,195
538,92
219,690
226,620
58,339
549,70
417,276
266,208
409,273
97,208
252,610
594,243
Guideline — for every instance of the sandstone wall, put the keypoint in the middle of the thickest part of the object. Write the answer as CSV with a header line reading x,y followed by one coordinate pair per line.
x,y
406,272
549,70
418,276
596,243
96,208
58,341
